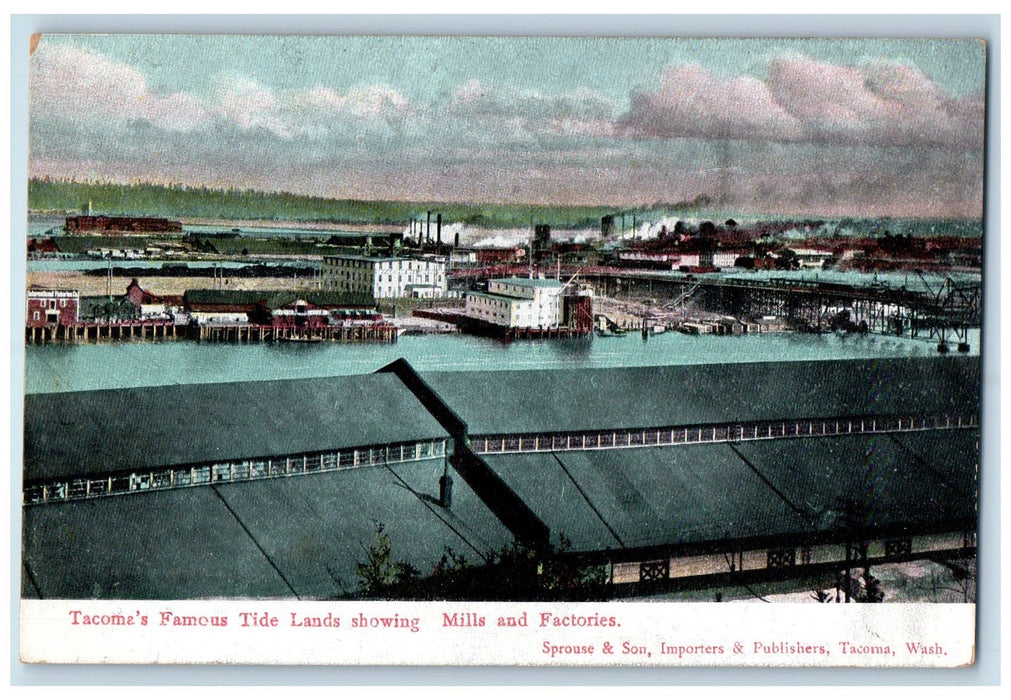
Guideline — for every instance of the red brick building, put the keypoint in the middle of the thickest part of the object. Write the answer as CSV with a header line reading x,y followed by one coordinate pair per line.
x,y
120,224
52,306
149,304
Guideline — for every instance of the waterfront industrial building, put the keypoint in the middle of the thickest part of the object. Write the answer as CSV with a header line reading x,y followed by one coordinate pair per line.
x,y
52,307
385,278
204,314
665,477
729,471
129,225
517,302
520,307
260,489
150,305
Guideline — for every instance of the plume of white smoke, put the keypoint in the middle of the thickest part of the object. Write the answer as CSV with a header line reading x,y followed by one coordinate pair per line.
x,y
478,237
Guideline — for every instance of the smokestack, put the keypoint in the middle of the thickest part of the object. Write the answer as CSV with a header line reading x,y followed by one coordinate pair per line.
x,y
428,228
438,229
724,195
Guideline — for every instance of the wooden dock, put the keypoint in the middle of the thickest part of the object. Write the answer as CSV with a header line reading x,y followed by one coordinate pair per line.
x,y
352,333
98,332
234,332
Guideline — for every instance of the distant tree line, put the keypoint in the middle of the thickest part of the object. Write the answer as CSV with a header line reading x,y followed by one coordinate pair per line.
x,y
182,201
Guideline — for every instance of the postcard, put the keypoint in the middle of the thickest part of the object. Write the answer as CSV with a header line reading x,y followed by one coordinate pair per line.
x,y
478,350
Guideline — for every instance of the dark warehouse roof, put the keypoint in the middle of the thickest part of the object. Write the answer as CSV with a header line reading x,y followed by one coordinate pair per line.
x,y
303,535
277,538
639,397
647,496
74,433
693,494
872,480
231,297
945,452
163,545
270,299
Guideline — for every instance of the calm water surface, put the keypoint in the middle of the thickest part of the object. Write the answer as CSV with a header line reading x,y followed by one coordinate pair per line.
x,y
51,368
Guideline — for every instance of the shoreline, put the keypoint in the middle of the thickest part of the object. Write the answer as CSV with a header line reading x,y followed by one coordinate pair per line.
x,y
293,224
96,285
228,224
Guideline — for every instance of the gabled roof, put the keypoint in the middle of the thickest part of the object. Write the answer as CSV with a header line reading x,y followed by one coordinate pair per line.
x,y
239,298
142,296
224,297
498,297
870,481
318,299
303,535
795,488
641,397
75,433
98,307
276,538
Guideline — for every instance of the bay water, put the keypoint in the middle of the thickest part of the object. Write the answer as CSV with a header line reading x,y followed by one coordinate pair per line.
x,y
60,367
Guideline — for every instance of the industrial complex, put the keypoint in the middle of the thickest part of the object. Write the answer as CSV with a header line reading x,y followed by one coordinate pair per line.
x,y
721,278
655,478
636,481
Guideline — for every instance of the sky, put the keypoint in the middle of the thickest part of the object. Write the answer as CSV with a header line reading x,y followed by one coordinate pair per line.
x,y
827,127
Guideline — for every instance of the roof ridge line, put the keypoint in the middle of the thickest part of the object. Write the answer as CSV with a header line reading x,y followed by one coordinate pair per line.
x,y
587,499
806,516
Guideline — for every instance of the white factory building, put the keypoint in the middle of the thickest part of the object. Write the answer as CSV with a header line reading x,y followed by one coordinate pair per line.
x,y
385,278
519,303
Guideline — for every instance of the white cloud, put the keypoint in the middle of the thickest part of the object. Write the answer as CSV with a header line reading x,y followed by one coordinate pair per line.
x,y
370,102
880,103
249,105
808,136
74,84
511,113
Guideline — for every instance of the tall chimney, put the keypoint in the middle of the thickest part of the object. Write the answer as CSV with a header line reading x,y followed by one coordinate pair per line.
x,y
428,228
438,229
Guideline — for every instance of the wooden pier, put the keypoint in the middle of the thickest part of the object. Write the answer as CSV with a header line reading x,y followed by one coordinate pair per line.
x,y
352,333
98,332
166,330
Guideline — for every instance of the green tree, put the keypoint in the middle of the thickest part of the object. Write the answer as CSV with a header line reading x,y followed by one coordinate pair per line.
x,y
378,575
377,571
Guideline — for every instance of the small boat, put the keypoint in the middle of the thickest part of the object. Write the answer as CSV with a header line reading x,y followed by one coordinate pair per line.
x,y
610,332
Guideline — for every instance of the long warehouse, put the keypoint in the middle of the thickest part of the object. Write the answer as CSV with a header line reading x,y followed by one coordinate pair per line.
x,y
666,474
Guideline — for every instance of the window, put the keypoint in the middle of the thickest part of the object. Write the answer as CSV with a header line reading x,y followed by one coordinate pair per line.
x,y
900,547
654,570
781,558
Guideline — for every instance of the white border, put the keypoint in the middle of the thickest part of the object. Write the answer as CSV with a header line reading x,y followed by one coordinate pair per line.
x,y
986,670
